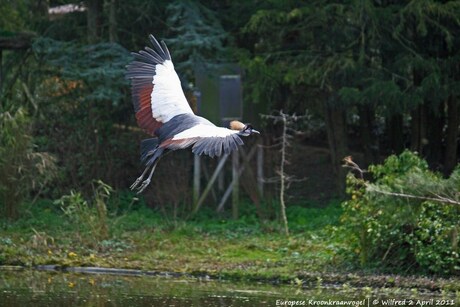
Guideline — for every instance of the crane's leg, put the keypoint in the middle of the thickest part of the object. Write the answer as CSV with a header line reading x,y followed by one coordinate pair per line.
x,y
146,182
152,157
139,179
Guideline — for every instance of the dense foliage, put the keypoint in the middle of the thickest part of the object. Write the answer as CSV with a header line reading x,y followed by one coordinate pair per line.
x,y
375,77
407,218
387,70
82,95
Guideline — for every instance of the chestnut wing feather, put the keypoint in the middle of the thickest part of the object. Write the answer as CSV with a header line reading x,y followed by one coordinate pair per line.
x,y
156,89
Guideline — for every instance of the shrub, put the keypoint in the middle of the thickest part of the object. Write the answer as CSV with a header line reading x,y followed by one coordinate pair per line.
x,y
23,169
405,217
90,218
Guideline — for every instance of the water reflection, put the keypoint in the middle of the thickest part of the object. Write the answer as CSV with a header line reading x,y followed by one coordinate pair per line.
x,y
38,288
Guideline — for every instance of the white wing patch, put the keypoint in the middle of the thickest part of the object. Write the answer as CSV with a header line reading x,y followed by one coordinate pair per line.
x,y
204,131
167,98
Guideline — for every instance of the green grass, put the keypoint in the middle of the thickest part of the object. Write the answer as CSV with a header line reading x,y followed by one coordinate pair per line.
x,y
142,238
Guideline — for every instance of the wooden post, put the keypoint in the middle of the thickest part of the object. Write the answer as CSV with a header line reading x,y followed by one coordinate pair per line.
x,y
196,177
235,183
210,183
220,181
230,187
260,169
204,169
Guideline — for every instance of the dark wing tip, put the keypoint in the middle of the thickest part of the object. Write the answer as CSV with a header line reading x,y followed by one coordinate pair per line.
x,y
166,51
216,146
165,56
147,59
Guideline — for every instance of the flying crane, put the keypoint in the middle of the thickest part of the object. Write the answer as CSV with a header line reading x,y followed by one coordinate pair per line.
x,y
163,112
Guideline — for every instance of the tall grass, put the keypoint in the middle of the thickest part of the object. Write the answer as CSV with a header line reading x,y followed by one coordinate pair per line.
x,y
22,169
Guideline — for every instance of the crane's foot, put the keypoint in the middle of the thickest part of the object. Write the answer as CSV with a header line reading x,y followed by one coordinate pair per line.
x,y
144,184
136,183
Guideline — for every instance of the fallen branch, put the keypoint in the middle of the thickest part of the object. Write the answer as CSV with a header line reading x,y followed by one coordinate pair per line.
x,y
349,163
438,198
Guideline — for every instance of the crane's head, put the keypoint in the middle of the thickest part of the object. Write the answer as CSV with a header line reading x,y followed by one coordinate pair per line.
x,y
243,129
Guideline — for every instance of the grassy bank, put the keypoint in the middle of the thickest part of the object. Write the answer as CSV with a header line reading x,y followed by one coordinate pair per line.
x,y
143,238
140,238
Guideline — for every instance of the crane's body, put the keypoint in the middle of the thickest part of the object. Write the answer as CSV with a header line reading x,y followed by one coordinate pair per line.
x,y
163,112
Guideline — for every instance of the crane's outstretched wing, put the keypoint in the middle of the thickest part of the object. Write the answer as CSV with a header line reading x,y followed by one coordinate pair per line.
x,y
189,130
208,140
156,89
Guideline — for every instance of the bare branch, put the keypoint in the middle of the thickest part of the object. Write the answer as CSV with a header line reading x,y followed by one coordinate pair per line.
x,y
284,180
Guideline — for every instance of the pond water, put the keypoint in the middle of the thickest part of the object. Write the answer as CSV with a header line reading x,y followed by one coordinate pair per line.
x,y
42,288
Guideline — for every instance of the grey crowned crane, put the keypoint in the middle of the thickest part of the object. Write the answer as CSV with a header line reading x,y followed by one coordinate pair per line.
x,y
163,112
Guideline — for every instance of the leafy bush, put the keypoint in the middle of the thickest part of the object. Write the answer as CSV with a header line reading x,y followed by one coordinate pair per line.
x,y
406,219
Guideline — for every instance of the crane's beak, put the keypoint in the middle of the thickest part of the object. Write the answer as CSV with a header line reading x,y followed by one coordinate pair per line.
x,y
248,130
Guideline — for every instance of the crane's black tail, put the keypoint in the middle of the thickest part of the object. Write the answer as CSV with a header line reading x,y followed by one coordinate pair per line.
x,y
150,155
148,147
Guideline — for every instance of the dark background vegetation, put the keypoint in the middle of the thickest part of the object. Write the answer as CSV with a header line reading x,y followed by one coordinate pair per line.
x,y
374,78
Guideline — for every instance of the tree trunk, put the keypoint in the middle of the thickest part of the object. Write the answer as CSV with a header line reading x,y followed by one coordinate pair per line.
x,y
337,139
1,71
94,20
395,133
453,121
434,135
418,122
113,34
418,129
368,139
